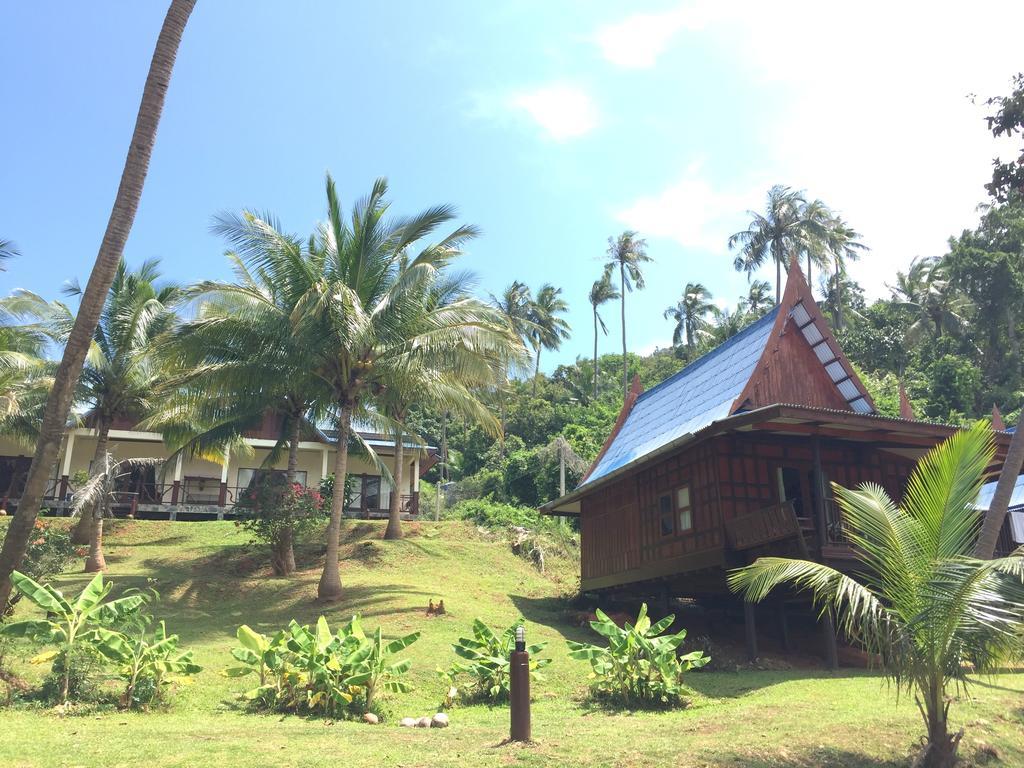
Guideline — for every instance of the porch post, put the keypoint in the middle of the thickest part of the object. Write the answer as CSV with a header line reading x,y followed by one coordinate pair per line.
x,y
176,484
750,628
323,464
222,498
819,494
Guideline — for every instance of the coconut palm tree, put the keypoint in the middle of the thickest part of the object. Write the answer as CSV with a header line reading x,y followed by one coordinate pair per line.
x,y
690,315
926,291
923,604
844,244
627,253
549,330
601,292
121,373
126,203
239,360
364,320
93,500
7,251
758,299
781,233
514,305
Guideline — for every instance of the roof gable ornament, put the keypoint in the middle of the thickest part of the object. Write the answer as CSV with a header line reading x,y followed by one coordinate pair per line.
x,y
906,409
785,374
997,419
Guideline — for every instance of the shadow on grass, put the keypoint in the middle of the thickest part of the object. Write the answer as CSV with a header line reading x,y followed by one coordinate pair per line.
x,y
555,613
824,757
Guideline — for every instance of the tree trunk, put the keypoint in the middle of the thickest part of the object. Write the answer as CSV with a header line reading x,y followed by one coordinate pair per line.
x,y
536,373
95,562
940,751
839,298
778,281
1011,331
394,529
625,364
82,532
126,203
282,557
993,522
595,352
809,271
329,588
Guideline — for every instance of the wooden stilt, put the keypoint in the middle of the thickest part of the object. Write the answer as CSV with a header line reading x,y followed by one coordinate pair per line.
x,y
828,630
784,627
750,627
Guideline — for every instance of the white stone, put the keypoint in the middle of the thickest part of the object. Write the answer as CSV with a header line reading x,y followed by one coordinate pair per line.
x,y
423,722
407,722
440,720
371,718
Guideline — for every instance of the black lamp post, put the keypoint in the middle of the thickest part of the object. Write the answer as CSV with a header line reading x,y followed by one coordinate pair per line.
x,y
519,688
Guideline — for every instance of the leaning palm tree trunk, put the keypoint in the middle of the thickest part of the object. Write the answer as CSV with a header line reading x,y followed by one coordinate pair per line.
x,y
329,588
126,203
985,548
394,529
595,352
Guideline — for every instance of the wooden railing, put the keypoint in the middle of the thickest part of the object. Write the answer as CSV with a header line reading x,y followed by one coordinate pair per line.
x,y
764,526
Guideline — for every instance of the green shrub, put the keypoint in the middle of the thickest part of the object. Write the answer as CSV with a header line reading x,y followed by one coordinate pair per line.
x,y
485,661
640,667
311,669
50,551
278,513
493,514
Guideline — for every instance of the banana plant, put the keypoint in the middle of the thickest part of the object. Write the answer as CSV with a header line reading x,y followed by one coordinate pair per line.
x,y
486,661
70,624
384,674
640,665
154,660
315,669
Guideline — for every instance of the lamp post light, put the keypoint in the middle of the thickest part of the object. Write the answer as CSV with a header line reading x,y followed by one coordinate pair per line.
x,y
519,688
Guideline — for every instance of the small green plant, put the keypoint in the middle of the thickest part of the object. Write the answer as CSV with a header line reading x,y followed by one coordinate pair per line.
x,y
50,551
640,666
147,664
69,626
485,660
315,670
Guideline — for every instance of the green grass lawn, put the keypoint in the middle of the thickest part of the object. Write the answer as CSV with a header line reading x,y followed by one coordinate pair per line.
x,y
210,583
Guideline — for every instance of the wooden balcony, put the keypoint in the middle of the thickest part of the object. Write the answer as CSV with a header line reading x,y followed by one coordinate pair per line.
x,y
774,523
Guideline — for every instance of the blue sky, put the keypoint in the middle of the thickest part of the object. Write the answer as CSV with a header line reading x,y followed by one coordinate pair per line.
x,y
551,125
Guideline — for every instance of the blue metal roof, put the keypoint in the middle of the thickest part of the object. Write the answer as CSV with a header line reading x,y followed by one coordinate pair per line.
x,y
988,491
702,393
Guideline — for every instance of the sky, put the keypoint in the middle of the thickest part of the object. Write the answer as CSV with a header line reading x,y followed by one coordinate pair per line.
x,y
550,124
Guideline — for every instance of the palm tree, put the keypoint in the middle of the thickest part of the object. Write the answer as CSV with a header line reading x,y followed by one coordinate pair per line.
x,y
601,292
549,330
364,320
514,305
126,203
818,219
924,605
627,253
783,232
843,242
239,359
7,251
93,500
926,291
425,382
121,374
690,315
758,299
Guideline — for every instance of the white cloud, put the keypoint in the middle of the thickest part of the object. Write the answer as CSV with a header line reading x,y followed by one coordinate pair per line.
x,y
867,109
689,211
563,111
637,41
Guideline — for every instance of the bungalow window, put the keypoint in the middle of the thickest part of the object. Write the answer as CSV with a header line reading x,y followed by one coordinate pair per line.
x,y
684,509
667,515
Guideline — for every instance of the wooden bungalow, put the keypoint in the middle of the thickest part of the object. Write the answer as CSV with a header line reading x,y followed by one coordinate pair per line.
x,y
733,458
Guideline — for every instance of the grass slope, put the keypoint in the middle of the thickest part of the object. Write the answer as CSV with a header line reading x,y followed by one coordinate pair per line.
x,y
211,583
